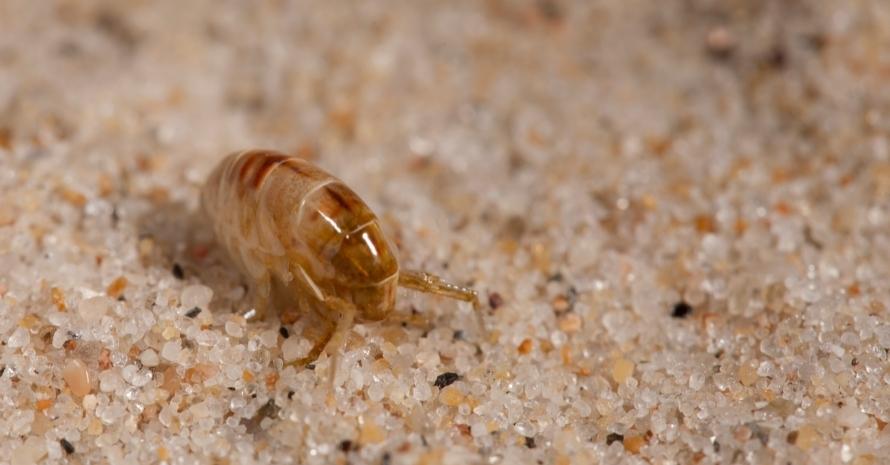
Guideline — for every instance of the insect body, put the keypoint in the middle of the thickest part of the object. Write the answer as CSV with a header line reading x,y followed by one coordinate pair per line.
x,y
309,244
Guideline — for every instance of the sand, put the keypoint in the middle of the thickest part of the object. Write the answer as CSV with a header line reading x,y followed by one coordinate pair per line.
x,y
675,213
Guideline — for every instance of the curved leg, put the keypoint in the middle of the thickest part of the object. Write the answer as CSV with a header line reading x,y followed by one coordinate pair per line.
x,y
327,324
317,349
318,330
336,343
262,299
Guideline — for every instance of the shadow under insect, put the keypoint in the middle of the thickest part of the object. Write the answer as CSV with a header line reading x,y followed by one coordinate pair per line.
x,y
181,243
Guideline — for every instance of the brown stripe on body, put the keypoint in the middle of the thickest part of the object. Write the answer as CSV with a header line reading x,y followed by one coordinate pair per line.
x,y
337,197
296,169
305,170
344,206
249,159
271,160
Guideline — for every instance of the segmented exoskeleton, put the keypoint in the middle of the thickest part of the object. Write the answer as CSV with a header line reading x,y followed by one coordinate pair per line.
x,y
308,243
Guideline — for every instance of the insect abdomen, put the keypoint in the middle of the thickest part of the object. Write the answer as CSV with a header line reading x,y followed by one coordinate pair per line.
x,y
283,215
246,196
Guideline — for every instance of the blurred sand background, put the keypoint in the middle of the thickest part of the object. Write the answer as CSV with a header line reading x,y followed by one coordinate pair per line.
x,y
675,211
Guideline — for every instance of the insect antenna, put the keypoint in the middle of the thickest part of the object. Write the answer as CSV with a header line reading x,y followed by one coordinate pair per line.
x,y
426,282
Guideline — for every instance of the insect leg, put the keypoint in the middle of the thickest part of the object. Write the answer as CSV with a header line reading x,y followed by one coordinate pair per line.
x,y
338,338
324,331
262,297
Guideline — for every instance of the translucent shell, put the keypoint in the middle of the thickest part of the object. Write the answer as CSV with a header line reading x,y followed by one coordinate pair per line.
x,y
308,242
296,229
